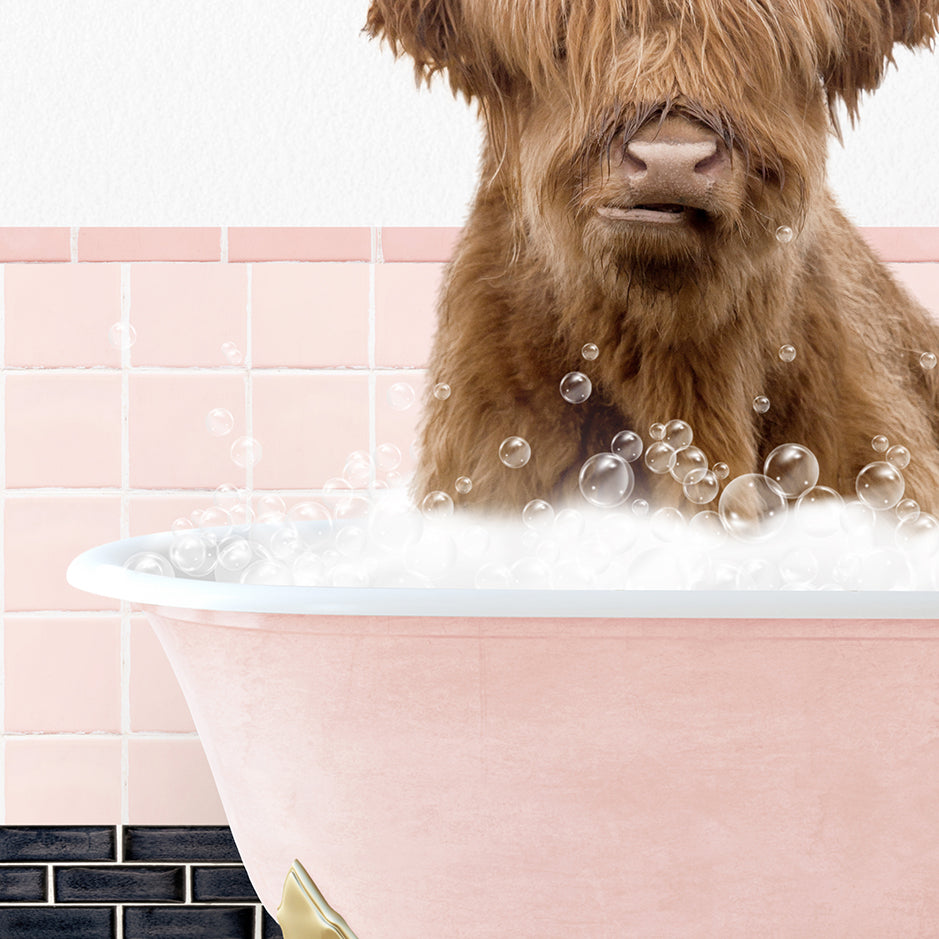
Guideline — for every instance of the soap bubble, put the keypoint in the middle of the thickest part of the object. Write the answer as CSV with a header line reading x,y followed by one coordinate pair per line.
x,y
678,435
668,524
530,573
493,576
569,525
219,422
267,572
687,460
538,515
707,527
606,480
898,456
269,507
819,510
309,570
640,508
122,336
401,396
193,554
660,457
357,470
393,525
857,518
919,532
149,562
628,445
350,542
232,353
799,566
590,351
752,508
216,517
721,470
387,457
784,234
227,496
700,486
880,443
657,431
575,387
907,508
514,452
441,391
793,468
245,451
759,574
437,504
787,352
927,361
235,554
880,485
761,404
463,485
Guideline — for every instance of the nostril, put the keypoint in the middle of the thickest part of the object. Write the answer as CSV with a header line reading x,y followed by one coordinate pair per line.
x,y
712,164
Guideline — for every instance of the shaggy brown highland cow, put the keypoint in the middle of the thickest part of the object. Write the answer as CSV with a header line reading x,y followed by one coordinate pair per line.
x,y
641,156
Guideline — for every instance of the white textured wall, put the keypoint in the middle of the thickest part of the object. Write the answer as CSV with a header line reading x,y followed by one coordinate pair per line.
x,y
123,112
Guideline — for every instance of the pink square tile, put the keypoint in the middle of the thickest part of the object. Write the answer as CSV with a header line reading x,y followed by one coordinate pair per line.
x,y
170,443
183,313
156,512
63,429
63,674
396,426
308,425
35,244
405,312
419,244
41,536
922,280
61,781
156,702
904,244
169,783
310,315
299,244
61,314
149,244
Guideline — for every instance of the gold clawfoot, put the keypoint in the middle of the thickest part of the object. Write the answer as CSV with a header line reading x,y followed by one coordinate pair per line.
x,y
304,913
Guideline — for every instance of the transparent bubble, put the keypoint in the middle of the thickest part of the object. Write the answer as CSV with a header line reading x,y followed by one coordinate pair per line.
x,y
219,422
337,485
628,445
269,506
761,404
351,507
678,435
668,524
394,525
267,572
357,470
787,352
530,573
880,443
919,533
569,525
784,234
246,451
793,468
687,461
350,541
640,508
907,508
441,391
228,496
346,574
401,396
707,527
857,518
181,524
463,485
819,510
241,514
437,504
721,470
880,485
309,570
235,554
122,336
216,517
538,515
799,566
233,355
514,452
660,457
434,555
657,431
493,576
927,361
752,508
606,480
193,554
576,387
149,562
885,569
474,542
313,521
759,574
387,457
898,456
701,486
590,351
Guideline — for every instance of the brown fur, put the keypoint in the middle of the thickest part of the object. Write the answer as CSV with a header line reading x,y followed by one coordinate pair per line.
x,y
688,324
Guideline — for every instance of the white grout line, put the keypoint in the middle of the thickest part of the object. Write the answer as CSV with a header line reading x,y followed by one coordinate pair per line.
x,y
73,244
372,379
248,370
3,503
126,302
223,245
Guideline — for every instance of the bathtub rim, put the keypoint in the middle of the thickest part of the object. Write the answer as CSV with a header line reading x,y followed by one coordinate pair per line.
x,y
99,570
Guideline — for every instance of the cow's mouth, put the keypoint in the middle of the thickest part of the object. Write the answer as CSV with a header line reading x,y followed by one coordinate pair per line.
x,y
655,212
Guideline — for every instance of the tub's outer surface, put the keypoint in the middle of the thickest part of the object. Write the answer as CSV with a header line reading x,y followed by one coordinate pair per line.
x,y
544,779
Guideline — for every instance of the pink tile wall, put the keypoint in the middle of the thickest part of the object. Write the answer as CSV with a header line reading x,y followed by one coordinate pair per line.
x,y
102,442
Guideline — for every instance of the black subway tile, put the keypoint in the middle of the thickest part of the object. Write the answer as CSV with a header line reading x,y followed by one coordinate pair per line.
x,y
51,922
119,884
22,884
155,922
57,843
270,928
221,883
196,844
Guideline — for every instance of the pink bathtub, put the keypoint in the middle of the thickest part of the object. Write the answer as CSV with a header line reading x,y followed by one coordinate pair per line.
x,y
549,764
